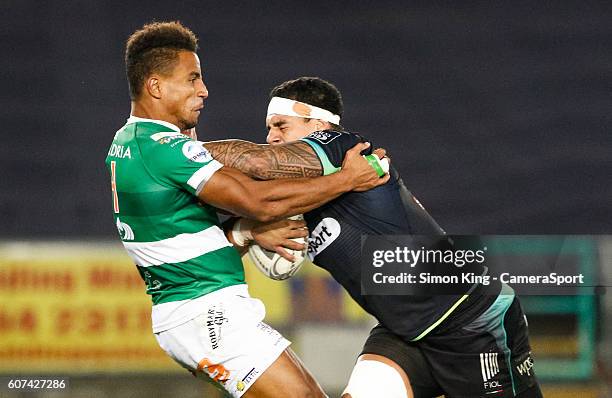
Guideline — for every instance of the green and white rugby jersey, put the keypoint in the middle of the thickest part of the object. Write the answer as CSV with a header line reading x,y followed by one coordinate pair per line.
x,y
175,240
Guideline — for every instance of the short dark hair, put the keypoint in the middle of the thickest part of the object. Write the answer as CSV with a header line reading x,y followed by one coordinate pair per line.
x,y
313,91
154,49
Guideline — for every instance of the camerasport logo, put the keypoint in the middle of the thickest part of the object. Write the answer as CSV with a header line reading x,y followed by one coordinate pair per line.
x,y
324,137
194,151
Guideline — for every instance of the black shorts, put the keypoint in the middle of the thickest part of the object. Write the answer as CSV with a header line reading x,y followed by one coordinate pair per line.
x,y
489,357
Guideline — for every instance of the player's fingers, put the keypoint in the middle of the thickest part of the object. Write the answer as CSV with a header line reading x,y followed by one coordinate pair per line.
x,y
380,152
383,180
296,233
295,224
293,245
284,253
358,148
373,184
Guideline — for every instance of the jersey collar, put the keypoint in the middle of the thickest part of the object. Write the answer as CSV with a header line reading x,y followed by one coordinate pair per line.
x,y
136,119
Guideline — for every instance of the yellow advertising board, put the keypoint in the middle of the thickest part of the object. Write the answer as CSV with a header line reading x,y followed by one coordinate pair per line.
x,y
76,307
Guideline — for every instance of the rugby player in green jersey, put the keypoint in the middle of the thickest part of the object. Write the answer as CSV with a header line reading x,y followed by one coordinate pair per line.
x,y
166,190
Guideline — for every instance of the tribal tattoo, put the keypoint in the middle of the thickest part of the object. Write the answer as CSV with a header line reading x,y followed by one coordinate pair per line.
x,y
267,162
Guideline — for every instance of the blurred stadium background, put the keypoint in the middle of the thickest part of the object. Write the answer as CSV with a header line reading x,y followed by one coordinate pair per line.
x,y
497,114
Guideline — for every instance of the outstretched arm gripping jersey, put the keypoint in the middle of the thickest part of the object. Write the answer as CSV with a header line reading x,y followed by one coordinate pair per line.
x,y
335,239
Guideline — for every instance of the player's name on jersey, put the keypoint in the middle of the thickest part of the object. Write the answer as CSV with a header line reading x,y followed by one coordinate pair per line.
x,y
120,151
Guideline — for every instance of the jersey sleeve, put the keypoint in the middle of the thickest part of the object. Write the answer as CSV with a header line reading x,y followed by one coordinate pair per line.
x,y
182,162
331,146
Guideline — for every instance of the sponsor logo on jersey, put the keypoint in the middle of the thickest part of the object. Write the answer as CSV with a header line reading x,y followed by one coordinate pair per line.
x,y
264,327
324,137
120,151
214,320
125,231
489,366
524,368
246,380
194,151
492,384
322,236
215,371
151,284
166,137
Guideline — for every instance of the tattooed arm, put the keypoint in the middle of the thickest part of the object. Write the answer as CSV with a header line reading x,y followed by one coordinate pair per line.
x,y
267,162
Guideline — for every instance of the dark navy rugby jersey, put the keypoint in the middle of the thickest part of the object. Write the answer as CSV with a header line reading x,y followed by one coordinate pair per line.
x,y
390,209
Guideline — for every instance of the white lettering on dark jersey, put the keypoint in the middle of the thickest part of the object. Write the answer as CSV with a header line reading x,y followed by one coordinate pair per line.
x,y
324,137
119,151
322,236
525,366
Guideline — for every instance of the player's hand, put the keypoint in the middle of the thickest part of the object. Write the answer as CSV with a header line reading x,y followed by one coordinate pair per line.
x,y
381,153
362,175
277,236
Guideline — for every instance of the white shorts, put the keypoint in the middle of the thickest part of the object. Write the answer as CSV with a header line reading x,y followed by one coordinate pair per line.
x,y
228,341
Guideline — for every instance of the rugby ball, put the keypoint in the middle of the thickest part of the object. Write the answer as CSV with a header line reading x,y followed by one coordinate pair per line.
x,y
272,264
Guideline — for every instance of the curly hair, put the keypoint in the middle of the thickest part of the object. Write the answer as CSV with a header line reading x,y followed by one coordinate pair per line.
x,y
154,49
313,91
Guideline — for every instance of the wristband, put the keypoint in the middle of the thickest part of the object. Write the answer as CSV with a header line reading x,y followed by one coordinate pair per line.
x,y
381,166
241,232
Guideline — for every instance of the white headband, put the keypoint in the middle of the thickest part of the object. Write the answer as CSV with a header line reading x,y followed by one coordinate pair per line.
x,y
288,107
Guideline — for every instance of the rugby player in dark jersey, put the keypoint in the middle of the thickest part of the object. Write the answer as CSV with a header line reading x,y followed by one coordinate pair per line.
x,y
465,345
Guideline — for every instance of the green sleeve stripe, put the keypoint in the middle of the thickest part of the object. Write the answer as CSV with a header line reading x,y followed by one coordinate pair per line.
x,y
328,167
